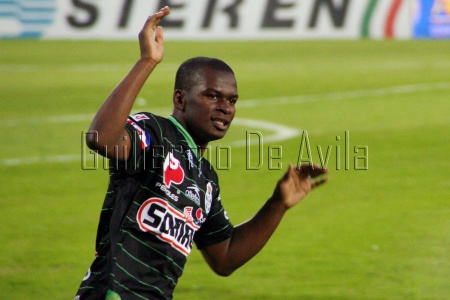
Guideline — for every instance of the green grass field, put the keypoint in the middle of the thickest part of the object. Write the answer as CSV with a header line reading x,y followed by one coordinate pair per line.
x,y
380,233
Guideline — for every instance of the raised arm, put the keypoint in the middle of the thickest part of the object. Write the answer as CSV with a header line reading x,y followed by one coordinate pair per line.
x,y
107,130
250,237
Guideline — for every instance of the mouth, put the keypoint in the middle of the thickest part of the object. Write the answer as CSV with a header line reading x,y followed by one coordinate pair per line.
x,y
220,123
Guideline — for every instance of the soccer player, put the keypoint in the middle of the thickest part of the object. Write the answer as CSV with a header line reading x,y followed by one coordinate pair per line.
x,y
163,196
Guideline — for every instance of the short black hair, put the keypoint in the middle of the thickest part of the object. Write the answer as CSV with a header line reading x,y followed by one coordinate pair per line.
x,y
187,73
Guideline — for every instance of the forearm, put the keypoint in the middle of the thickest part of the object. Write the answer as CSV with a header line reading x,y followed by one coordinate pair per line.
x,y
250,237
108,124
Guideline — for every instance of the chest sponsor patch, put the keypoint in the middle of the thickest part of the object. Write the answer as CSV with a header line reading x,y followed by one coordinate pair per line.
x,y
171,226
173,172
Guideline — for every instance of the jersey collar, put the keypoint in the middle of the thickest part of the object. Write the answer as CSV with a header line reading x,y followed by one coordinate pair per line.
x,y
187,136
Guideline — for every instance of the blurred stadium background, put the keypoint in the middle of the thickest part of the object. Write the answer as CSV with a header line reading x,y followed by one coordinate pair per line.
x,y
367,80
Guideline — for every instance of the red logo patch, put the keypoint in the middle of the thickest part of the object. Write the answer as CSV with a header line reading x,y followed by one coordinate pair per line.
x,y
199,214
173,173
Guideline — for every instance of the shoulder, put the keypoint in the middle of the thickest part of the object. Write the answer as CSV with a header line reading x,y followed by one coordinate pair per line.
x,y
149,122
145,117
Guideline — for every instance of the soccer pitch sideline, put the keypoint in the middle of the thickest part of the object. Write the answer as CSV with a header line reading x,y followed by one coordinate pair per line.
x,y
378,230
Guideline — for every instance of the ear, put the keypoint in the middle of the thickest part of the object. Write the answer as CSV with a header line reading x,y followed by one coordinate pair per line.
x,y
179,100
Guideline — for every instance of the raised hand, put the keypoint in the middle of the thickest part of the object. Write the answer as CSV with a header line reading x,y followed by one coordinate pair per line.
x,y
151,37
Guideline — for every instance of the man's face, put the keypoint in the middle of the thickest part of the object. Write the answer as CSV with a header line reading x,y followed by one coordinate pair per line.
x,y
210,106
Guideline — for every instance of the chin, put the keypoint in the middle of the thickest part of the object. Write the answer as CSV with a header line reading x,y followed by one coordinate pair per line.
x,y
217,136
209,136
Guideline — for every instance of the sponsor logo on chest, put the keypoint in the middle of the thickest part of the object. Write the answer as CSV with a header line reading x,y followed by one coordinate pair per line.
x,y
193,193
168,224
173,172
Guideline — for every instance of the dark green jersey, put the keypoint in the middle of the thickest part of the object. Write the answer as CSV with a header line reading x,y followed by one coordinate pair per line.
x,y
164,198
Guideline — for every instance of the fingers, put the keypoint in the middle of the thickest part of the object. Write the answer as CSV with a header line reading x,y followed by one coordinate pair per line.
x,y
159,36
151,37
152,21
316,175
297,182
160,14
318,182
310,170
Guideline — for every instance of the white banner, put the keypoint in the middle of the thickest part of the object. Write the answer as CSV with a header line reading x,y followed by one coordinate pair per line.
x,y
207,19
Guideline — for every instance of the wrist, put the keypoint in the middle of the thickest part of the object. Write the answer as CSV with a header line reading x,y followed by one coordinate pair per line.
x,y
276,205
147,62
150,60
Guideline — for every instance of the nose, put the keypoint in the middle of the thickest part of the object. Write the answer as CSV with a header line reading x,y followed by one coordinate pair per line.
x,y
224,106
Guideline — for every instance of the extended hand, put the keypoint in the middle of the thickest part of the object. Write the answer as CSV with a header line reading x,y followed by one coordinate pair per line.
x,y
297,182
151,37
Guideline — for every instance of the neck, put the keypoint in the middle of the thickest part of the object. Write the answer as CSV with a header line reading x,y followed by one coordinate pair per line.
x,y
198,148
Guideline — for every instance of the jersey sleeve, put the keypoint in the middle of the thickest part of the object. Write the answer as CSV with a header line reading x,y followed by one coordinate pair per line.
x,y
217,227
139,128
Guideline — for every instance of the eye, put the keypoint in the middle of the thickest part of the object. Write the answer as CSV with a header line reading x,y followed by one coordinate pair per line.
x,y
232,100
213,96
